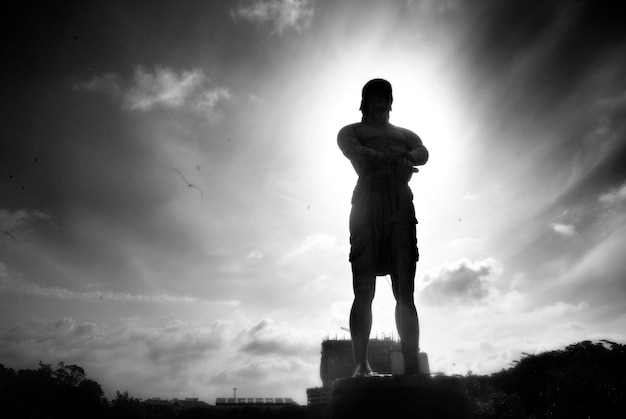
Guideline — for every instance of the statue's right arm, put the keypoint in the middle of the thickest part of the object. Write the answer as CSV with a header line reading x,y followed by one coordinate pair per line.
x,y
352,148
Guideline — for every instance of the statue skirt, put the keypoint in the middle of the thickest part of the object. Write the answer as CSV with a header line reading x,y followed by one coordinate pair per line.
x,y
382,225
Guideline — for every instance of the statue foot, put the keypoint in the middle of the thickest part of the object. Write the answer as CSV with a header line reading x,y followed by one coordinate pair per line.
x,y
411,369
411,364
364,371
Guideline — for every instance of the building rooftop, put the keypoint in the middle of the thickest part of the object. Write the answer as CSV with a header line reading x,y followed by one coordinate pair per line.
x,y
271,401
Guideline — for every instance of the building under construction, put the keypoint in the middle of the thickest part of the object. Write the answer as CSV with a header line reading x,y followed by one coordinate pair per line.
x,y
338,362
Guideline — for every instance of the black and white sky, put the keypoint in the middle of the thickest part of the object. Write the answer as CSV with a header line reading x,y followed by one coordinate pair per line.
x,y
173,205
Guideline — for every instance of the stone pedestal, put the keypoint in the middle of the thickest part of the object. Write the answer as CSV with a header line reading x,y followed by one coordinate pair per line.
x,y
399,397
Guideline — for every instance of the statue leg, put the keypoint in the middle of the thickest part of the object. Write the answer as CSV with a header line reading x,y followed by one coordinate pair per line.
x,y
364,285
403,284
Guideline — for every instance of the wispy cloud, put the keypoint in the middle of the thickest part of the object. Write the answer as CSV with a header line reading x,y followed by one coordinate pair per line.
x,y
161,88
11,222
269,373
17,286
320,241
108,84
281,14
614,197
566,230
207,100
267,337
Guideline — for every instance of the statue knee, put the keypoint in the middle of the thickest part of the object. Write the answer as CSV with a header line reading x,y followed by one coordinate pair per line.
x,y
364,295
407,303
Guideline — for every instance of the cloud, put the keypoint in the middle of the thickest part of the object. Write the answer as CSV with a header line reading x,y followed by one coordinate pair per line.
x,y
471,196
566,230
614,197
273,355
254,256
267,337
108,84
58,329
432,7
316,242
275,374
10,220
17,286
129,353
281,14
161,88
207,101
559,309
263,371
462,282
178,344
13,223
164,88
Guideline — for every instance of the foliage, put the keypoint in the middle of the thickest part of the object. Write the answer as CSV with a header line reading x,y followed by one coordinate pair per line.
x,y
51,393
584,380
123,406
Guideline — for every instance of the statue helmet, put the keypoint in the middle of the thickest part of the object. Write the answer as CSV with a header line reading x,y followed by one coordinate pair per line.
x,y
376,86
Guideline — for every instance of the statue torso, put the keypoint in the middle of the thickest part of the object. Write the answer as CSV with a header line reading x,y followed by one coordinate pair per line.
x,y
380,139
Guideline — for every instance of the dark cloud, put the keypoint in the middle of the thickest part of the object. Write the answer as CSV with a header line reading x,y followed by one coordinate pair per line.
x,y
463,282
26,344
128,352
57,331
266,338
17,223
272,346
169,345
268,373
180,351
534,72
563,40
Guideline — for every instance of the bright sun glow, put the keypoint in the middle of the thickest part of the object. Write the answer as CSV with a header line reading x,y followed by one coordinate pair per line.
x,y
420,105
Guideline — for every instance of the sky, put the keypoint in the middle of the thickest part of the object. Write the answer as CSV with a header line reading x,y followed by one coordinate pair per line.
x,y
174,207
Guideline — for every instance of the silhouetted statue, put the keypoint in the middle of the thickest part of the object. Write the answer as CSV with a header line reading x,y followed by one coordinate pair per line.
x,y
382,221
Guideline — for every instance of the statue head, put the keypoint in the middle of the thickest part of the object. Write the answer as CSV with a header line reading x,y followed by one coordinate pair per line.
x,y
375,89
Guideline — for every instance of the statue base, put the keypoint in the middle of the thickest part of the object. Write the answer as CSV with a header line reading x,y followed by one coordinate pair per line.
x,y
399,397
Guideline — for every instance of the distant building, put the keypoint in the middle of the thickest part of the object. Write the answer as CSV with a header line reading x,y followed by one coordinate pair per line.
x,y
338,362
261,404
223,405
252,401
318,400
179,404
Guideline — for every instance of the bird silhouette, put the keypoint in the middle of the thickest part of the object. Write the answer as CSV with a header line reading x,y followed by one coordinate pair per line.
x,y
189,184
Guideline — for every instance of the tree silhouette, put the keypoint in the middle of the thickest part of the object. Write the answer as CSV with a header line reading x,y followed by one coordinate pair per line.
x,y
64,392
584,380
124,406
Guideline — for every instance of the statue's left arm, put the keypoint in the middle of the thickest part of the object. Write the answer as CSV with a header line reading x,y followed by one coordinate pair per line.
x,y
419,153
